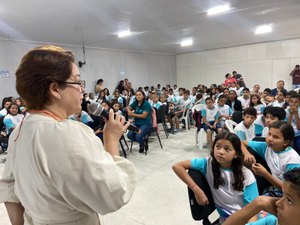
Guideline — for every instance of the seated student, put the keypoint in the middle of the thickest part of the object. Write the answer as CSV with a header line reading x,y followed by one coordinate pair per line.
x,y
293,118
117,96
271,115
257,104
276,152
285,210
279,100
224,110
83,117
210,116
233,102
6,102
183,103
22,106
13,118
266,92
155,102
172,119
232,185
245,130
245,98
116,106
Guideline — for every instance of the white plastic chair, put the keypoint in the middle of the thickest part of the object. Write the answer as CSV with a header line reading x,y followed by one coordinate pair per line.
x,y
230,124
185,116
198,107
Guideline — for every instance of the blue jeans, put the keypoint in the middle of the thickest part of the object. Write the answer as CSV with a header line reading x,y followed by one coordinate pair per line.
x,y
139,137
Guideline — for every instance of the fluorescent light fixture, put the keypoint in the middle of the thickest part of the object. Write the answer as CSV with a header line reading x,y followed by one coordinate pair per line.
x,y
263,29
186,42
124,33
218,9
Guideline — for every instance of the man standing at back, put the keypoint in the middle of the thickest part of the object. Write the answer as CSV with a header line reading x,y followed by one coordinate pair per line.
x,y
296,77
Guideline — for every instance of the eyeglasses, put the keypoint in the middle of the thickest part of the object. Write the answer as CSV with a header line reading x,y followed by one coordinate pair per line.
x,y
80,82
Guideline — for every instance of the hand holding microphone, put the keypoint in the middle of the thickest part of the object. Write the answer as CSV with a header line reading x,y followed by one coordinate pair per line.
x,y
97,110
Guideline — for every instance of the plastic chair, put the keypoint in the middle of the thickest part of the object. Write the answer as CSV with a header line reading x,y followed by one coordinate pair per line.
x,y
230,124
185,116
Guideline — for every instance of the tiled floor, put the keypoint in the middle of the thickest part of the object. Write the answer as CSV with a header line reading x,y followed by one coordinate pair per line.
x,y
160,197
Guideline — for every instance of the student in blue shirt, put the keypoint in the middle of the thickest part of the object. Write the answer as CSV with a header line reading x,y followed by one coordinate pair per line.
x,y
285,210
277,153
232,185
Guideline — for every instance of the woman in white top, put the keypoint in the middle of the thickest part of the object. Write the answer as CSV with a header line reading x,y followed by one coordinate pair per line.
x,y
57,170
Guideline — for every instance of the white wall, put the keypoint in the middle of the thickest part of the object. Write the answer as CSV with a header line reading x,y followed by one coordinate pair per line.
x,y
264,63
140,68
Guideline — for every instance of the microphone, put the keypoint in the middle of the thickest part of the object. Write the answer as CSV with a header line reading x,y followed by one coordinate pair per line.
x,y
97,110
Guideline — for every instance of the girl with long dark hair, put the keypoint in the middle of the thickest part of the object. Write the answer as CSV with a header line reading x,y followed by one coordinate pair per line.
x,y
232,185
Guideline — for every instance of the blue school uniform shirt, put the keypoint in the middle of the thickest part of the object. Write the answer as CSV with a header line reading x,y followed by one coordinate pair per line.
x,y
227,200
259,126
278,162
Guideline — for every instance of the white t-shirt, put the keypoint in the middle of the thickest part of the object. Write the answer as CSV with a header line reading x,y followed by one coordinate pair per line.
x,y
278,162
245,102
245,134
210,114
226,198
224,110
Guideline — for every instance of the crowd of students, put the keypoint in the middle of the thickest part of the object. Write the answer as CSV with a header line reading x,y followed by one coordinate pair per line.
x,y
237,161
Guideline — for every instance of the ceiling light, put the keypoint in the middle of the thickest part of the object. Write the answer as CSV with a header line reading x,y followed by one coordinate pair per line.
x,y
186,42
124,33
263,29
218,9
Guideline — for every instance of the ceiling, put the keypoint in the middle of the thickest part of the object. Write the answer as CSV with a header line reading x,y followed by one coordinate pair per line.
x,y
158,25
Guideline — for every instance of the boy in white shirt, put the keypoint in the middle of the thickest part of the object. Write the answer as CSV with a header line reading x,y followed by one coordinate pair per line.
x,y
245,98
210,117
224,110
245,130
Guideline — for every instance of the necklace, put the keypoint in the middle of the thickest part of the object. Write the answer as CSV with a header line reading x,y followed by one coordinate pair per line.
x,y
48,113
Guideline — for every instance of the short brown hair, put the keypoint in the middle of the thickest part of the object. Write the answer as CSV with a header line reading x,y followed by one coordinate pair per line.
x,y
38,69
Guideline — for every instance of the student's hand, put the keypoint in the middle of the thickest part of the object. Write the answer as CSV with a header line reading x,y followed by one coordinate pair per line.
x,y
258,169
129,112
293,109
249,159
267,203
214,126
200,196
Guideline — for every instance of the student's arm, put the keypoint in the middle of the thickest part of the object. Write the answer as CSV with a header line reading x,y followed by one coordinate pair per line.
x,y
242,216
248,157
180,170
140,116
297,119
260,170
15,212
